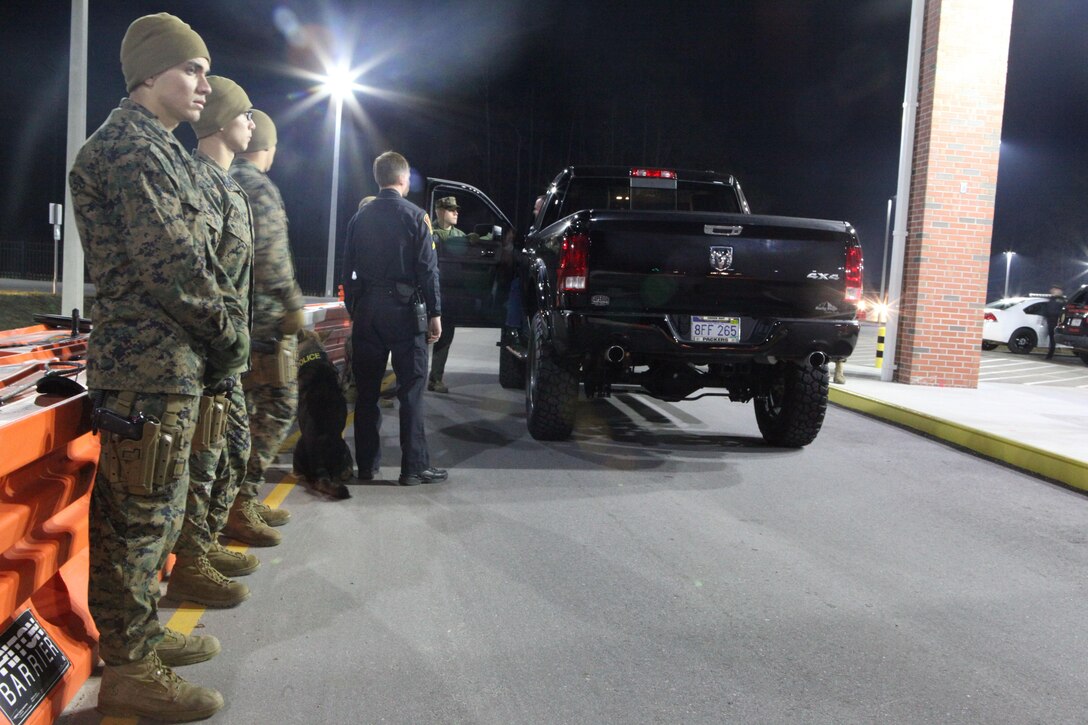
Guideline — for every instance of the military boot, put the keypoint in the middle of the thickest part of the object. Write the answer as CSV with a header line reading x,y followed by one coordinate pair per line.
x,y
245,524
196,580
232,563
148,688
272,516
177,649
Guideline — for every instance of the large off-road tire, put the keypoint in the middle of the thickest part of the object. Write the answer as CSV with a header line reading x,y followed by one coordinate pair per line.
x,y
551,390
792,412
1023,341
511,370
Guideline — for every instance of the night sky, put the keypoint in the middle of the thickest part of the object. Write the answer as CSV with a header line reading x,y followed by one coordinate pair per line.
x,y
801,100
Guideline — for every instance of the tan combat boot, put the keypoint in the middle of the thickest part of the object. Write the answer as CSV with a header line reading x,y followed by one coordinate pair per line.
x,y
177,649
231,563
148,688
245,524
272,516
196,580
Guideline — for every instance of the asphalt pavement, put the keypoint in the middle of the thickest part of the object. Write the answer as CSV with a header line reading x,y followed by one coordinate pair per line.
x,y
664,565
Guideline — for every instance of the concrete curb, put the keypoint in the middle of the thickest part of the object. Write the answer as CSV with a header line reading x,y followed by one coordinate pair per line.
x,y
1033,460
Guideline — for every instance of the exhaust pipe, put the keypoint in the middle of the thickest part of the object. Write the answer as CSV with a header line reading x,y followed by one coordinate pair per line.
x,y
817,359
615,354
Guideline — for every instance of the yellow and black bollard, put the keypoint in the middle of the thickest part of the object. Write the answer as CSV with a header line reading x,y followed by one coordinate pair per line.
x,y
880,346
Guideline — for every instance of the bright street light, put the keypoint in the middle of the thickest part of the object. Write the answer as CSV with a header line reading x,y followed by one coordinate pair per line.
x,y
1009,254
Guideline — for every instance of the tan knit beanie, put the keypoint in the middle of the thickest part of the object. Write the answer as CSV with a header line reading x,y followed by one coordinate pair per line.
x,y
226,101
264,135
154,43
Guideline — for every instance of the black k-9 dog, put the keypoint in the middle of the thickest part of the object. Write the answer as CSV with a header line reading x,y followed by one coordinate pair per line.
x,y
322,458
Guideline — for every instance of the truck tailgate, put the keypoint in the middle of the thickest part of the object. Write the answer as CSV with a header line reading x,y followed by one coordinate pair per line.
x,y
717,264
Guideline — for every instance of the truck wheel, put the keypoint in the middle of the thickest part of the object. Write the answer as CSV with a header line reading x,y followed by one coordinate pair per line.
x,y
511,370
1023,341
792,411
1083,356
987,345
551,390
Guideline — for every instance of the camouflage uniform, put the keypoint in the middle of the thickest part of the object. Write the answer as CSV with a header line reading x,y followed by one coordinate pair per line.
x,y
158,312
440,353
275,292
216,472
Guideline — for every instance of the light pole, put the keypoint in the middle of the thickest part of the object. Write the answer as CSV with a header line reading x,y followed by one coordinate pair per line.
x,y
340,85
1009,254
887,236
334,196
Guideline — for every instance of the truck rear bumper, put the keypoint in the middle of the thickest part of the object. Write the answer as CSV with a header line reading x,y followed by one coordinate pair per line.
x,y
654,338
1077,342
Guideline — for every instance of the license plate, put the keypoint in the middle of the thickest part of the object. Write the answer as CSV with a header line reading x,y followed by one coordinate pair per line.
x,y
1075,322
715,329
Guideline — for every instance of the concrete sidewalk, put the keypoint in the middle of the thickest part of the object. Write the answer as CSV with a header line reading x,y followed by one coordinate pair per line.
x,y
1039,429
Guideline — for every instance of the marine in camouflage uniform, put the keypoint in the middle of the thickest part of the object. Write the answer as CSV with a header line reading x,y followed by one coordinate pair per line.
x,y
217,468
446,210
161,327
276,316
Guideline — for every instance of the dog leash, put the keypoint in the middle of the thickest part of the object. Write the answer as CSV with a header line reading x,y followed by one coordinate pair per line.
x,y
54,372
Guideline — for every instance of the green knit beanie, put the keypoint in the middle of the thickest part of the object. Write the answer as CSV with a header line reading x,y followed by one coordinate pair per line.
x,y
226,101
264,135
154,43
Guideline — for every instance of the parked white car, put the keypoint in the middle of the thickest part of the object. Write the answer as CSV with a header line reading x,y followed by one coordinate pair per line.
x,y
1018,322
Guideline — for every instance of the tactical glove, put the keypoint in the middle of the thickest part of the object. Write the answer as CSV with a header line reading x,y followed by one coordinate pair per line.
x,y
222,364
292,322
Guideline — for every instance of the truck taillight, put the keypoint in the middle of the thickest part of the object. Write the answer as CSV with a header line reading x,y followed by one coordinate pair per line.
x,y
989,317
853,273
573,262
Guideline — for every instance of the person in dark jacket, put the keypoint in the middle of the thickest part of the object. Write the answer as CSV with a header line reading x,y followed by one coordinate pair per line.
x,y
389,258
1054,307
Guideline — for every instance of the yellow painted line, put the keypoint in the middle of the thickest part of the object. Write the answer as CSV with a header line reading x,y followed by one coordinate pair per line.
x,y
279,492
185,617
289,442
1041,462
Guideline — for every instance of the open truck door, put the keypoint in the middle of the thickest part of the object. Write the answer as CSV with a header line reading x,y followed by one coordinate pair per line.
x,y
474,269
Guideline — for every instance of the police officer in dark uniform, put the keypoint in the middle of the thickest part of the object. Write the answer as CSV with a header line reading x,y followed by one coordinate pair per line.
x,y
389,254
1053,310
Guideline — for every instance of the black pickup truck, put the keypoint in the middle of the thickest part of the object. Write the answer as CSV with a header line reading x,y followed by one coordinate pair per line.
x,y
662,282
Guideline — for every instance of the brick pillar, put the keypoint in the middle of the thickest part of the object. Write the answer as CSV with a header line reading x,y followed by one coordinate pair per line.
x,y
961,99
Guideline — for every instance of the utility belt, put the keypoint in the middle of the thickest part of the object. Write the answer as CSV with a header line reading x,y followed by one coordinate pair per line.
x,y
211,420
140,452
405,294
272,362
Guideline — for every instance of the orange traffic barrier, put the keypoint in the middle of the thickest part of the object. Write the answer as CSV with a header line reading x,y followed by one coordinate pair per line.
x,y
332,323
39,342
48,459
